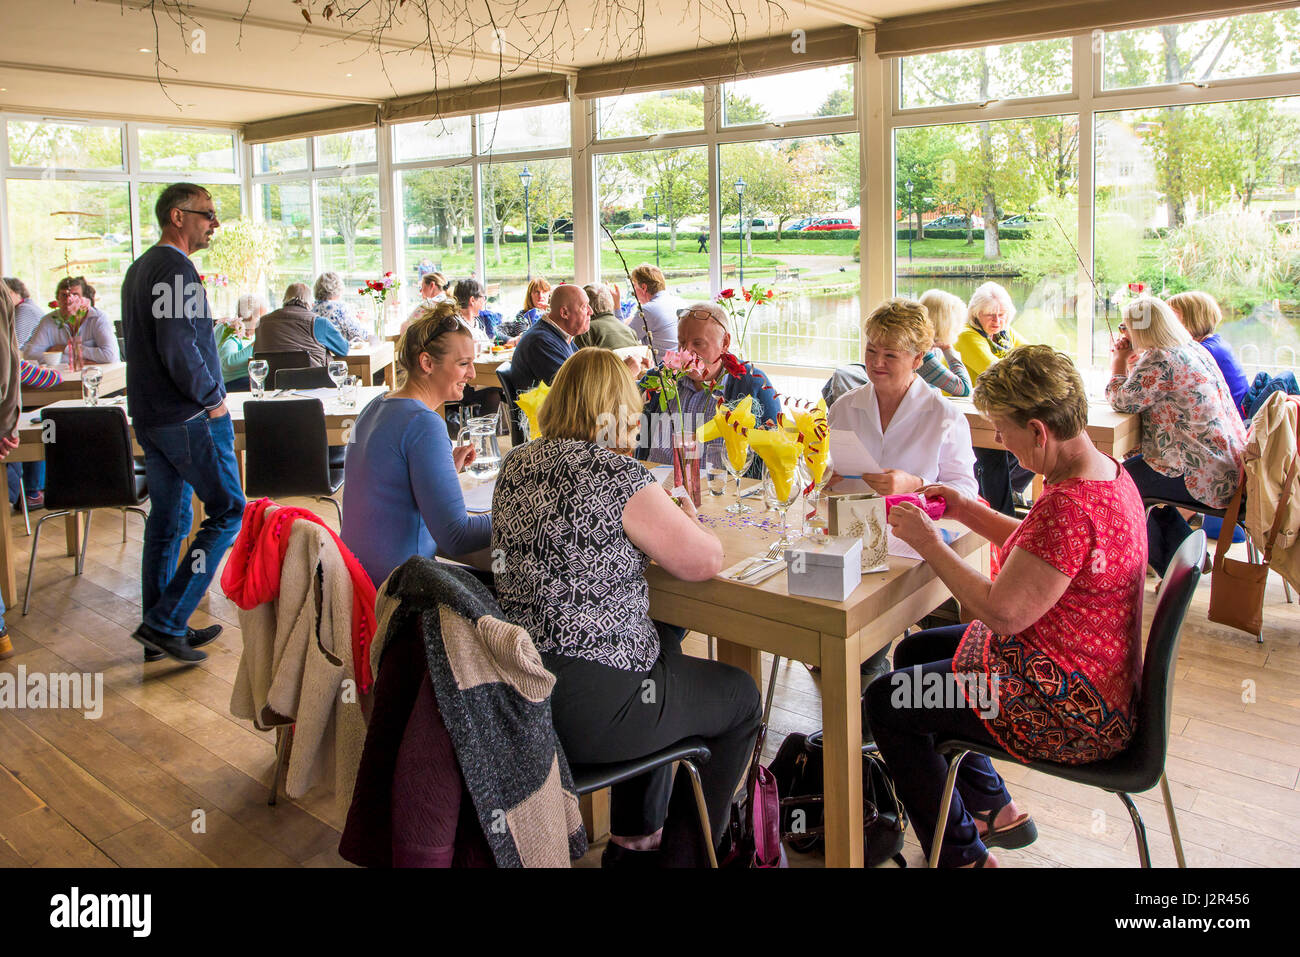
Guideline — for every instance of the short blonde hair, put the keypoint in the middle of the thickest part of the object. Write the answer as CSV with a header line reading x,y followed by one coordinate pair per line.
x,y
1198,310
990,293
1035,382
946,313
1151,324
651,277
593,397
899,324
427,333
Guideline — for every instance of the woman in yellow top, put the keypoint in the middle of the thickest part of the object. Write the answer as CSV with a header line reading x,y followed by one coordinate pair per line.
x,y
988,337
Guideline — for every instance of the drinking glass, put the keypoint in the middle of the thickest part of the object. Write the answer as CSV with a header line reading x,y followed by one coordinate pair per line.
x,y
812,515
338,370
257,372
782,505
738,507
349,391
91,377
715,472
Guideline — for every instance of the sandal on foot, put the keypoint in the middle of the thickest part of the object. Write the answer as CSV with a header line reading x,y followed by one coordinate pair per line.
x,y
1020,833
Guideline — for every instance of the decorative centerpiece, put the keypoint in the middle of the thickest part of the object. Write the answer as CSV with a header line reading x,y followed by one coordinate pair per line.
x,y
530,403
676,365
740,306
70,321
379,290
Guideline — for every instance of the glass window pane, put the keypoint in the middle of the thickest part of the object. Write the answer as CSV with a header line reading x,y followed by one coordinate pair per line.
x,y
186,151
225,198
60,227
531,128
1038,68
630,189
799,214
349,233
345,149
1205,197
639,114
827,91
1257,44
287,207
64,145
508,255
286,156
436,139
437,226
985,204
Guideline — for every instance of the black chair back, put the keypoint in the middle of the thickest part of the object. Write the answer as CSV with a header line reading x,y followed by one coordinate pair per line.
x,y
1144,759
88,461
510,389
275,361
316,377
285,450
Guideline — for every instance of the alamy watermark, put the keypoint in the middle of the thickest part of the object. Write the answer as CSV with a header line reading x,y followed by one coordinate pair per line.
x,y
79,691
915,688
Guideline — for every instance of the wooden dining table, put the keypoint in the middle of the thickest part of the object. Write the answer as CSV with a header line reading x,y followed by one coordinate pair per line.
x,y
339,422
371,359
1114,433
114,380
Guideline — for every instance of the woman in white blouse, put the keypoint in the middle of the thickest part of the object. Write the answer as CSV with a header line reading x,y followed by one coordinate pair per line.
x,y
914,434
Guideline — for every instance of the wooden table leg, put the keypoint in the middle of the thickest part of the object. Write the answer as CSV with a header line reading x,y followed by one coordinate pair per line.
x,y
8,582
74,527
842,741
595,814
743,657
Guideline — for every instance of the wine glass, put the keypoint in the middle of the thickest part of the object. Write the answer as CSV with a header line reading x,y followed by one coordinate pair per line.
x,y
738,507
257,372
782,505
813,518
338,370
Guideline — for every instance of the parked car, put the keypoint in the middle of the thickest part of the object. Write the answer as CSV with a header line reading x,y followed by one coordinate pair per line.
x,y
563,225
639,228
827,223
949,222
800,224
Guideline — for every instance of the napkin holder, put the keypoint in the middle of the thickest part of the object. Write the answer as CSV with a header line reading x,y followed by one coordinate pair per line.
x,y
861,515
824,567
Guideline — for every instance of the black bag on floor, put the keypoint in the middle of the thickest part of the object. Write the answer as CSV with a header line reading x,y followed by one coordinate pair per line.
x,y
799,771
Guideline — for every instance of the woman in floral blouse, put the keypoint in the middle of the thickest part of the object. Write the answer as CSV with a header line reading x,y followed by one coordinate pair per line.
x,y
1192,434
330,306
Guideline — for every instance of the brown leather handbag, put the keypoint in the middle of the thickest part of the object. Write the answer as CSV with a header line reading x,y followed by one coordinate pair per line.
x,y
1237,588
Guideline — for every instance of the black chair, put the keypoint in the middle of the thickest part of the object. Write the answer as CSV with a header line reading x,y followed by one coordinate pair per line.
x,y
518,435
275,361
314,377
88,465
1141,766
286,451
691,752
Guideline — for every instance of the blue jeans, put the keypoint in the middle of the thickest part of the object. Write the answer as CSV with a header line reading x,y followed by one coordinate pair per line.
x,y
998,472
33,476
196,456
1166,528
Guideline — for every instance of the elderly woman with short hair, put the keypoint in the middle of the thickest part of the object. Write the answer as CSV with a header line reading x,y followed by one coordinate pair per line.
x,y
577,522
235,340
704,328
330,306
1061,623
606,329
1193,439
988,337
1200,314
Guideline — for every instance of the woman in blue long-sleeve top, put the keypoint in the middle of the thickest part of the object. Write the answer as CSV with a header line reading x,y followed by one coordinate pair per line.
x,y
401,496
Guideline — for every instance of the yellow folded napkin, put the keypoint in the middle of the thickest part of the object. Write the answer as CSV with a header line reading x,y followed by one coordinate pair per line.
x,y
531,403
731,426
780,453
814,435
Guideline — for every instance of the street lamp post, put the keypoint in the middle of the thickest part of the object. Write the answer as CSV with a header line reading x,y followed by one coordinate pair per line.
x,y
526,178
911,226
655,196
740,206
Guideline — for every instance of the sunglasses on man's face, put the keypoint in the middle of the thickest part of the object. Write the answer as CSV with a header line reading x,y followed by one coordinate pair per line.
x,y
209,214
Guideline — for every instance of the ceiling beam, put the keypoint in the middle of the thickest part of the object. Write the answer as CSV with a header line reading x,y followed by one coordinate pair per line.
x,y
842,12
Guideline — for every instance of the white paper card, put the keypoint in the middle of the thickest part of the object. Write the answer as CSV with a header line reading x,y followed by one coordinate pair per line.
x,y
850,455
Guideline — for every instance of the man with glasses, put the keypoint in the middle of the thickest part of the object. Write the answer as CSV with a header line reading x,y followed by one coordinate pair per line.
x,y
177,402
98,340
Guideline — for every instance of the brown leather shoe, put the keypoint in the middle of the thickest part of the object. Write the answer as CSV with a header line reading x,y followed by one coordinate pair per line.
x,y
6,646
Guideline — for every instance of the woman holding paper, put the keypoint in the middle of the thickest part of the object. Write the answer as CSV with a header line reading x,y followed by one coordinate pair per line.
x,y
401,496
1051,660
895,431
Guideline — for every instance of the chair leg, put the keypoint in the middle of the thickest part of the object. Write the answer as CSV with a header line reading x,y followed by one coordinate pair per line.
x,y
1173,820
22,500
85,540
338,507
1286,590
941,825
702,809
1139,829
31,566
123,526
283,738
713,654
771,688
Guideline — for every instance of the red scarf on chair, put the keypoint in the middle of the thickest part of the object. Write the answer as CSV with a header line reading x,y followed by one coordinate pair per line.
x,y
252,574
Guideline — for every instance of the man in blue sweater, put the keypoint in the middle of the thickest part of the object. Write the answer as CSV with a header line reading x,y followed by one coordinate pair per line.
x,y
549,340
177,402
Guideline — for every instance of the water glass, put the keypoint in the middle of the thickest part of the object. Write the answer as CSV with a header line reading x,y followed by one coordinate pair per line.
x,y
91,377
738,507
338,371
257,373
350,391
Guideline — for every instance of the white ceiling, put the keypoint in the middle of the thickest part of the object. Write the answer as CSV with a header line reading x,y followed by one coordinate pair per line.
x,y
83,57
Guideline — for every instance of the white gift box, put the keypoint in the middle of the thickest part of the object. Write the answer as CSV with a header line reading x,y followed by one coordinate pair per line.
x,y
826,567
862,515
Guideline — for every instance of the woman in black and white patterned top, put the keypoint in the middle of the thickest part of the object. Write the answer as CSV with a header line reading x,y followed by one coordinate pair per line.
x,y
576,521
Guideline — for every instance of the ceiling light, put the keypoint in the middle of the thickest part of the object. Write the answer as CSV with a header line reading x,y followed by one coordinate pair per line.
x,y
145,50
586,29
347,74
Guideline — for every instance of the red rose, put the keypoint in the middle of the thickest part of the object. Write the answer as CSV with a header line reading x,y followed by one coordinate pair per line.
x,y
389,273
733,365
769,294
727,294
748,297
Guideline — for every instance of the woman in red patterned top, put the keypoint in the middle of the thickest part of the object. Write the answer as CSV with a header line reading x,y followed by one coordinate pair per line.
x,y
1048,668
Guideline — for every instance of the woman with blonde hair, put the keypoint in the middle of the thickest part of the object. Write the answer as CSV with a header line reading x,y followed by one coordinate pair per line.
x,y
577,521
402,496
943,368
1199,313
1060,625
535,302
1192,436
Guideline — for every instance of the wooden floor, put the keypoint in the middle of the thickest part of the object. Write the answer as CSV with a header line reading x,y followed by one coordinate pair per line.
x,y
167,777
